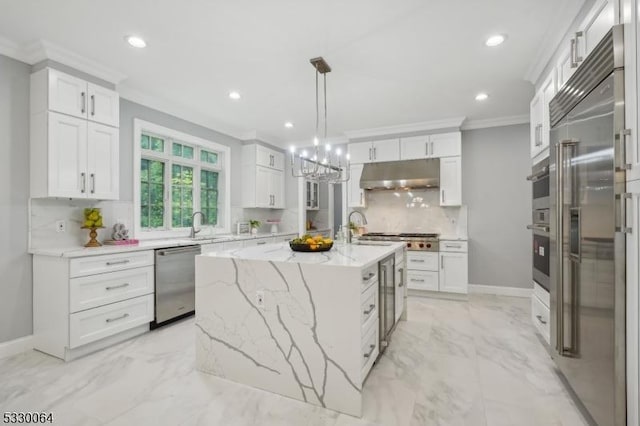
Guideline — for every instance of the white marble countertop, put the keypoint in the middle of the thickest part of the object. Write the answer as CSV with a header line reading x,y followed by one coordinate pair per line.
x,y
76,251
342,254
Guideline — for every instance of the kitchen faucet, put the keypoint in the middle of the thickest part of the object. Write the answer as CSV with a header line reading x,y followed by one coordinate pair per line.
x,y
193,221
364,222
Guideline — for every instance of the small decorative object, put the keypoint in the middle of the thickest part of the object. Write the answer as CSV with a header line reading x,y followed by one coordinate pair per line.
x,y
307,243
120,237
254,224
92,221
274,225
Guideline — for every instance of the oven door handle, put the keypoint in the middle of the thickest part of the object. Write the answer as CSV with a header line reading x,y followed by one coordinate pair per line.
x,y
544,228
536,176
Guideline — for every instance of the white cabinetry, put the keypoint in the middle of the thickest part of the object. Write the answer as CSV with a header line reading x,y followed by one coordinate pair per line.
x,y
540,121
453,272
593,28
431,146
633,301
312,194
451,181
84,304
445,272
376,151
262,177
356,195
73,154
422,270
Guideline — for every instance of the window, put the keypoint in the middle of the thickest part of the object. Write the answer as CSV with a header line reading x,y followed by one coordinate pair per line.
x,y
176,175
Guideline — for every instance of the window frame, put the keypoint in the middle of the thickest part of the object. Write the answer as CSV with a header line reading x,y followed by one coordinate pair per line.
x,y
223,168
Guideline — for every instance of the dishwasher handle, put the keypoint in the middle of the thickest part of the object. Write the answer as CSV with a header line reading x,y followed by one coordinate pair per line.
x,y
178,250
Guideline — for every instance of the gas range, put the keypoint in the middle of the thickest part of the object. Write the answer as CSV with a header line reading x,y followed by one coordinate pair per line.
x,y
414,241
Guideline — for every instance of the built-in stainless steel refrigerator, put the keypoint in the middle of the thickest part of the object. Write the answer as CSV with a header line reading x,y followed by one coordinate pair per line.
x,y
587,176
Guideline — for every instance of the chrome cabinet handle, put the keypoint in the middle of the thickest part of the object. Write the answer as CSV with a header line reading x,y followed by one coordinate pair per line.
x,y
441,262
368,277
368,311
118,262
123,316
375,154
622,226
578,58
572,57
621,153
371,349
83,179
417,280
431,148
443,195
426,149
453,245
540,319
417,260
83,97
92,176
261,243
370,154
113,287
401,283
93,105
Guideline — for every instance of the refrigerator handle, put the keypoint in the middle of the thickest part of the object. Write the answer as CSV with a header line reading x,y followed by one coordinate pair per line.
x,y
621,152
621,209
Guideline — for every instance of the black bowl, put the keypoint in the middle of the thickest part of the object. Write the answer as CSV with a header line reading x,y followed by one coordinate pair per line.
x,y
304,247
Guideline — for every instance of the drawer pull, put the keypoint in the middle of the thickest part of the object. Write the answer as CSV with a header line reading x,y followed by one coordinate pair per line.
x,y
540,319
123,316
113,287
416,280
118,262
261,243
453,245
368,277
417,260
368,311
371,349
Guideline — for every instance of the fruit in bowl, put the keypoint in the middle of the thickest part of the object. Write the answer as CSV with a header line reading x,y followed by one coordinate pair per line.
x,y
307,242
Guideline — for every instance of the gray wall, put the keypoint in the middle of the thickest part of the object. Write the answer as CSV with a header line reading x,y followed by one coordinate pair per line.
x,y
15,262
495,162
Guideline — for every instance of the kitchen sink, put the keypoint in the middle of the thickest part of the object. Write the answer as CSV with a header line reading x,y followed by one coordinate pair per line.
x,y
369,243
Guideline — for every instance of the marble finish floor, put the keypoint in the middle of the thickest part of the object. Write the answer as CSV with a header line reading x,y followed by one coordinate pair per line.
x,y
475,362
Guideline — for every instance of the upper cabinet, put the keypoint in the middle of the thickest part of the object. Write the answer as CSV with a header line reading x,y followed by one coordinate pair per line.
x,y
451,181
262,177
540,120
312,194
356,195
431,146
376,151
594,27
53,90
73,155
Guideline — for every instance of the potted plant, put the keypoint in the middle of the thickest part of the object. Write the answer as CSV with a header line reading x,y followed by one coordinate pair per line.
x,y
254,224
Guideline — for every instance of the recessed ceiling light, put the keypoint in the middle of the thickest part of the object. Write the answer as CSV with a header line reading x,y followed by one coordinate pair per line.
x,y
136,41
288,125
234,95
495,40
482,97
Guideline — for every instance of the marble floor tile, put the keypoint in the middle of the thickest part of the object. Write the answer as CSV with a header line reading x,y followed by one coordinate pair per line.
x,y
473,363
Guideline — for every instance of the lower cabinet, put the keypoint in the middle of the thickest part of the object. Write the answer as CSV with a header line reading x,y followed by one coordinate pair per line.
x,y
453,272
540,313
446,271
84,304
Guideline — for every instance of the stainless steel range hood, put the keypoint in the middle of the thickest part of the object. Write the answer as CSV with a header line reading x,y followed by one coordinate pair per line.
x,y
401,174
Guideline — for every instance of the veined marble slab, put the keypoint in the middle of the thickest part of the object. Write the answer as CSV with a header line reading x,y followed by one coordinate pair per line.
x,y
305,342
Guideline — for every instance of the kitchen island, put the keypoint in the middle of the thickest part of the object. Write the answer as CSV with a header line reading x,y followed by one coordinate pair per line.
x,y
303,325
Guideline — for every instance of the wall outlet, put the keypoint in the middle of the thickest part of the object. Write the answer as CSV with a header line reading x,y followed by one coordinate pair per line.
x,y
260,299
61,226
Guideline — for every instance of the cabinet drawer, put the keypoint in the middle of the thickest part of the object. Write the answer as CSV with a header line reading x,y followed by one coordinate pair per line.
x,y
369,351
97,290
369,308
109,262
256,242
104,321
369,276
422,260
540,316
455,246
422,280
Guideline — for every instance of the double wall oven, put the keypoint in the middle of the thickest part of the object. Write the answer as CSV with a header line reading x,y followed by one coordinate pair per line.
x,y
540,223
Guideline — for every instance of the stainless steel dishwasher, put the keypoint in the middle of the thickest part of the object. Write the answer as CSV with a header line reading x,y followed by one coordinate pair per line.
x,y
175,283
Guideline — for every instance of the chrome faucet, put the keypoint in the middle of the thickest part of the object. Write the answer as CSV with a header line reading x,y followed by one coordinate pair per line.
x,y
193,221
364,222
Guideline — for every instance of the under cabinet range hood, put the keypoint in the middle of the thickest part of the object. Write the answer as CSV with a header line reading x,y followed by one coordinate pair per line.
x,y
408,174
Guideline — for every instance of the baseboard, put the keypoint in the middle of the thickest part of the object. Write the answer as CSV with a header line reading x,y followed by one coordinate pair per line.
x,y
16,346
499,290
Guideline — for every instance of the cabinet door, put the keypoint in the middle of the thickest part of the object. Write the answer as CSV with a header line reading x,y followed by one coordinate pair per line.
x,y
361,152
264,156
104,105
356,194
103,162
564,68
631,84
595,26
451,181
422,280
548,90
415,147
386,150
535,110
315,195
263,181
278,160
276,189
453,272
633,301
446,144
67,94
67,159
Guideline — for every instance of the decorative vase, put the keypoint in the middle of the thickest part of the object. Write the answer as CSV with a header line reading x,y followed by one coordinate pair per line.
x,y
92,236
254,231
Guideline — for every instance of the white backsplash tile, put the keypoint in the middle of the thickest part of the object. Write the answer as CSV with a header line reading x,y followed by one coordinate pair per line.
x,y
413,211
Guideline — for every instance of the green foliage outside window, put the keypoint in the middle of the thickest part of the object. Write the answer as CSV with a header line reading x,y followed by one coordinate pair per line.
x,y
151,193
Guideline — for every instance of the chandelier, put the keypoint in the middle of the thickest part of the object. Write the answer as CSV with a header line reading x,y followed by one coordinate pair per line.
x,y
324,165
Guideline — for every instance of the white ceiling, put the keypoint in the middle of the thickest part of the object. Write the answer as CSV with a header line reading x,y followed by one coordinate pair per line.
x,y
393,62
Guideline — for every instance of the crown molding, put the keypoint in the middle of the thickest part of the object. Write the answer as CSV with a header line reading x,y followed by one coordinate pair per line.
x,y
179,111
448,123
495,122
13,50
553,37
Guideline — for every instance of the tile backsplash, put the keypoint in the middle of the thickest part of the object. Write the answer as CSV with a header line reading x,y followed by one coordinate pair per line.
x,y
413,211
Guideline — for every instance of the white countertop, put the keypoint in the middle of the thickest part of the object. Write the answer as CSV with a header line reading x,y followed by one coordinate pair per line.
x,y
341,254
453,238
76,251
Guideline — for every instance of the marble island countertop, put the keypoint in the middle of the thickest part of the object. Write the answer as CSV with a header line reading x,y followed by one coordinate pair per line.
x,y
79,251
341,254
